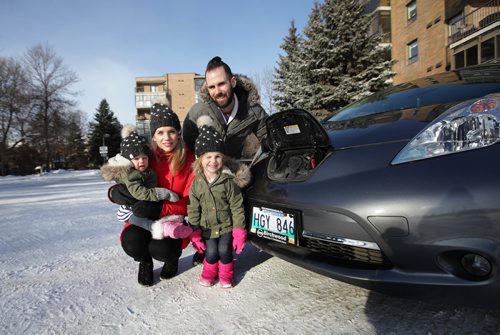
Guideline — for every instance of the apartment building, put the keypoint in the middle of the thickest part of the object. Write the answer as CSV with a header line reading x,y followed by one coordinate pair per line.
x,y
177,90
433,36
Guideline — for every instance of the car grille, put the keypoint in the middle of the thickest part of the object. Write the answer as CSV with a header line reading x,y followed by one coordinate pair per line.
x,y
346,252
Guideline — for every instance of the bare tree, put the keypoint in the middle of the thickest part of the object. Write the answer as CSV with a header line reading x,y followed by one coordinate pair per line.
x,y
264,83
267,89
50,82
14,110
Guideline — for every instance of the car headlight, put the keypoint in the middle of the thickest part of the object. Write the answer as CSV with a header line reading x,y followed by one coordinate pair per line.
x,y
467,126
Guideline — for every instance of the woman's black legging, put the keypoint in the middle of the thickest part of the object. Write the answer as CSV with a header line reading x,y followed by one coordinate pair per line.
x,y
138,244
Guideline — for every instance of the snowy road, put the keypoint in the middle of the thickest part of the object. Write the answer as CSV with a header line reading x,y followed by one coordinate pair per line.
x,y
62,271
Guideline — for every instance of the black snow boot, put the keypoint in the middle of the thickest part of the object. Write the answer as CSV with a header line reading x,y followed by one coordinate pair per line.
x,y
169,270
145,276
198,258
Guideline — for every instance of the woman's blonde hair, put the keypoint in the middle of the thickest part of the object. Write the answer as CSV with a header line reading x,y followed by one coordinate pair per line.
x,y
177,158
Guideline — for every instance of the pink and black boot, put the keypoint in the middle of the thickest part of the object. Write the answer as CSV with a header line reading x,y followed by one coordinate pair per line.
x,y
176,230
208,273
226,274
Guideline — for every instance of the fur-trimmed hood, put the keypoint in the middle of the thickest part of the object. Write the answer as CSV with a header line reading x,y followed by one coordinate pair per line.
x,y
240,171
117,168
244,85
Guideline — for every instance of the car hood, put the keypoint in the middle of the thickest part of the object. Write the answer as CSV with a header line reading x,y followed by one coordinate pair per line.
x,y
392,126
298,129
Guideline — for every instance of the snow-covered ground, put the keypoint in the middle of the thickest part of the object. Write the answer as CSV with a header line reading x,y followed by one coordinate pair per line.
x,y
62,271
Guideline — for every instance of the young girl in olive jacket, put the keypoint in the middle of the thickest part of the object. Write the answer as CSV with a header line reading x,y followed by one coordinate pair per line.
x,y
215,209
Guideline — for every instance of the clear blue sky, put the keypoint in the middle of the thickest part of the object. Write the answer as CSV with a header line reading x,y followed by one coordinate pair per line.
x,y
109,43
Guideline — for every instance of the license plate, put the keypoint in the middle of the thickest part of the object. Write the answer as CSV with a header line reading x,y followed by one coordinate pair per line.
x,y
273,224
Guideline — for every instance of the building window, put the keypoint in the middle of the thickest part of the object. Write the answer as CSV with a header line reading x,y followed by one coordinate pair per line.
x,y
459,60
411,11
488,50
412,52
154,88
142,128
484,52
498,46
385,25
471,56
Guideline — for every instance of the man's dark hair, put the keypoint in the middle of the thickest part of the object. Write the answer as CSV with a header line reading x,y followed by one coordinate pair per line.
x,y
217,62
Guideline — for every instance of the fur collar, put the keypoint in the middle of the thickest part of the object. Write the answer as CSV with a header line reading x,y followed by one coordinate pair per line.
x,y
240,171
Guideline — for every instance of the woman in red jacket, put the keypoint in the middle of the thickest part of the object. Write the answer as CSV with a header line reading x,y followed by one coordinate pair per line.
x,y
171,161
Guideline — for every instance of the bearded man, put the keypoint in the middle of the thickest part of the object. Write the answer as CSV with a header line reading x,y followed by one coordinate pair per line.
x,y
232,102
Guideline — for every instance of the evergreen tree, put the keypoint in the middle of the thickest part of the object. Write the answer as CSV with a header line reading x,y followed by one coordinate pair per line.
x,y
104,130
57,142
351,63
287,75
310,54
68,142
339,62
74,148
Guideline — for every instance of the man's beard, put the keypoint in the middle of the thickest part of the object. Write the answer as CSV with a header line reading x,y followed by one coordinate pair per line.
x,y
228,101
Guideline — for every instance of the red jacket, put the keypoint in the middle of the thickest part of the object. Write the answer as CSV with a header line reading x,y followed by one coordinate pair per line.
x,y
180,183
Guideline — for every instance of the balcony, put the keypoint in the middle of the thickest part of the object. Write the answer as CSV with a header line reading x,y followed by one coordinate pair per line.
x,y
479,19
146,100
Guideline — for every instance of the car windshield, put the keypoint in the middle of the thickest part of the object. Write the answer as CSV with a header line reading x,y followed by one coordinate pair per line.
x,y
411,96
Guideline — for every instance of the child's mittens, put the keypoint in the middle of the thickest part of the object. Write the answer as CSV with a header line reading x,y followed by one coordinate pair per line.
x,y
239,239
197,241
166,194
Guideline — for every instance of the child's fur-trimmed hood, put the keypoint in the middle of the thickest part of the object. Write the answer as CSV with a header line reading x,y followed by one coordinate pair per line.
x,y
240,171
117,168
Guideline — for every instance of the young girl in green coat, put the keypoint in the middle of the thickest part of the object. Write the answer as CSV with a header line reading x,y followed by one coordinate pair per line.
x,y
215,209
